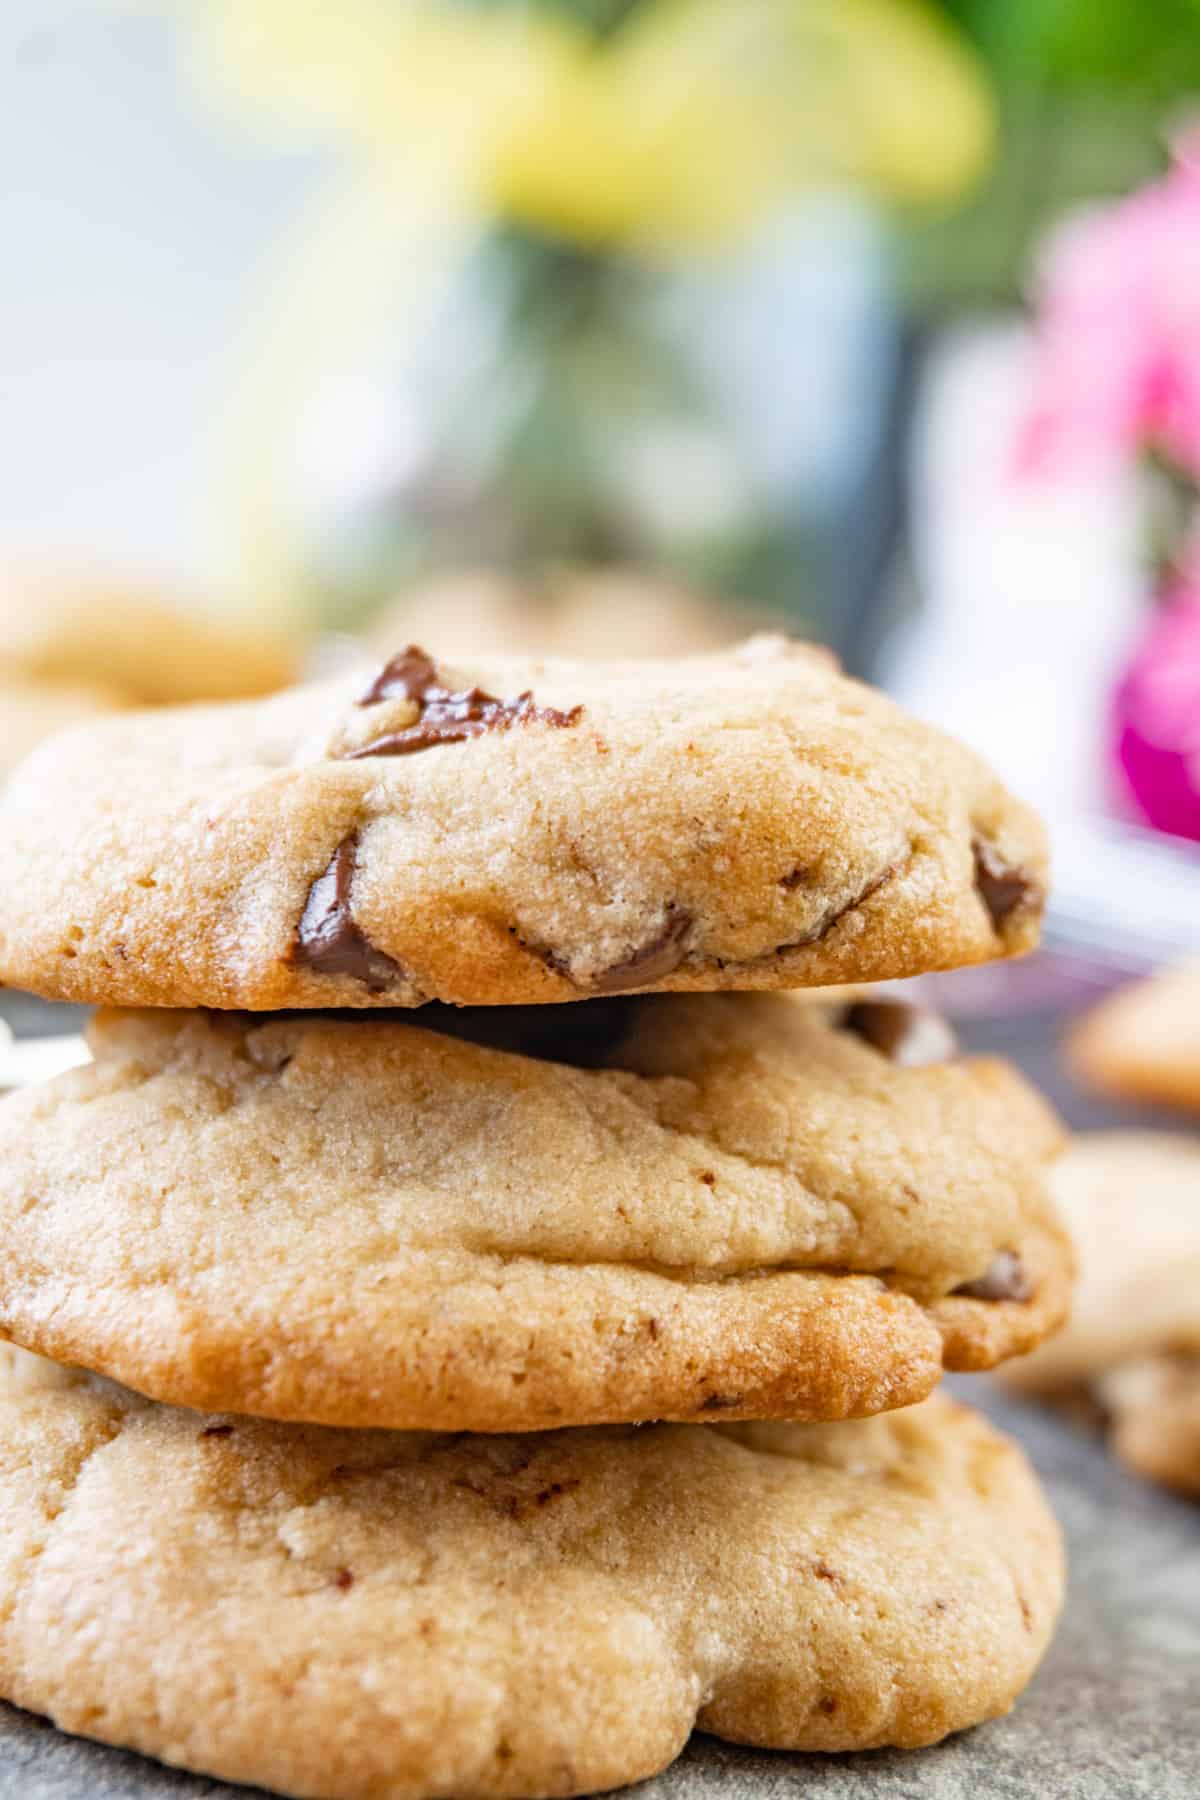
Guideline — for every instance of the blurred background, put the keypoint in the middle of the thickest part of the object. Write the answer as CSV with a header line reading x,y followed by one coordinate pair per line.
x,y
627,326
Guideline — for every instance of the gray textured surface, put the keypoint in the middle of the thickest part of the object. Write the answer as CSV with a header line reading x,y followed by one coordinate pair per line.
x,y
1114,1713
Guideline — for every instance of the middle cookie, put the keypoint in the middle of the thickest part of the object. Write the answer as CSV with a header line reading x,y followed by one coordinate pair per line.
x,y
677,1207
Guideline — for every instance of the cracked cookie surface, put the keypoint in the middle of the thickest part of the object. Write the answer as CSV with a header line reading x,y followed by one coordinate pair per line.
x,y
1129,1358
520,832
386,1616
666,1207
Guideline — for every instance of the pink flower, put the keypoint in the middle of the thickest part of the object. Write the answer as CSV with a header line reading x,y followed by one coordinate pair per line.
x,y
1156,718
1118,359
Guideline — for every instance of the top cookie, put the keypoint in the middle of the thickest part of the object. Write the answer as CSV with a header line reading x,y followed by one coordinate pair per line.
x,y
521,832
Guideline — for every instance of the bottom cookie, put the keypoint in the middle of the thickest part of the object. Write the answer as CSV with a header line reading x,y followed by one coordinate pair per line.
x,y
368,1615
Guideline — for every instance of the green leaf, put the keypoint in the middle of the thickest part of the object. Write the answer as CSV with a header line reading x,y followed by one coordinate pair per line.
x,y
1151,47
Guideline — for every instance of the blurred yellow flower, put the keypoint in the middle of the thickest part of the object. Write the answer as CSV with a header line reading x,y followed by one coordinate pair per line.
x,y
667,137
675,131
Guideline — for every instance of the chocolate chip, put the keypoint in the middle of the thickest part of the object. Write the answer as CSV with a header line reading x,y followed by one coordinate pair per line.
x,y
327,938
908,1035
408,676
344,1580
653,961
445,717
1005,1278
217,1431
1002,888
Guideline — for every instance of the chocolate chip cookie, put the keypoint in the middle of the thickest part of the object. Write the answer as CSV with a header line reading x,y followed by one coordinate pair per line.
x,y
512,833
31,711
62,629
1130,1357
358,1614
574,612
682,1207
1143,1042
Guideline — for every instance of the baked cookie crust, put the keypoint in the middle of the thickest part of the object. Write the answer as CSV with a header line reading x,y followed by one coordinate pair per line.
x,y
516,832
673,1207
380,1616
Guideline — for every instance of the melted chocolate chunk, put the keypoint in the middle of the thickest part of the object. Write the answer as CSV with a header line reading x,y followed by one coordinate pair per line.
x,y
408,676
1005,1278
652,962
327,938
445,717
1001,887
908,1035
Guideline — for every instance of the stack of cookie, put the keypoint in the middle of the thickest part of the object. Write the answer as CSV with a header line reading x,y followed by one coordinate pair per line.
x,y
494,1374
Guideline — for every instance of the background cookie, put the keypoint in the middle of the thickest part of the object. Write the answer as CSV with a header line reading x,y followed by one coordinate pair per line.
x,y
1143,1042
1151,1407
1131,1351
60,630
738,1205
31,711
521,832
357,1614
601,612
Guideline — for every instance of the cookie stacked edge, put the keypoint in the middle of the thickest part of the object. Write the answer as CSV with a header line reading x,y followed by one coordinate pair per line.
x,y
563,1223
